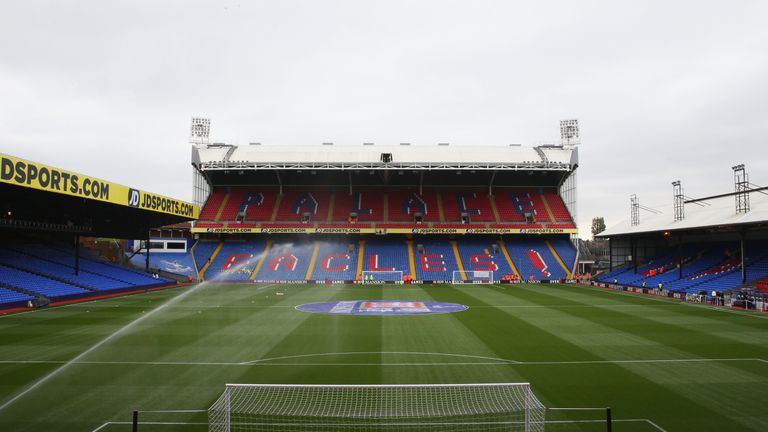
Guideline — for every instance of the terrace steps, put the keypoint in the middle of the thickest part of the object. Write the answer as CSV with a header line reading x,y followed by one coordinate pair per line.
x,y
201,275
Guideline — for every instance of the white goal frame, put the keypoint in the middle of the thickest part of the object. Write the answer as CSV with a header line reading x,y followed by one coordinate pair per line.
x,y
397,273
490,407
472,276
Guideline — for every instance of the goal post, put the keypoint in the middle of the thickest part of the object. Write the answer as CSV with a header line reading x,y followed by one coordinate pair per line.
x,y
505,407
477,276
382,276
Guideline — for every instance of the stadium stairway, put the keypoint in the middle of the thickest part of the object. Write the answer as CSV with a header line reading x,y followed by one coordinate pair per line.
x,y
222,205
231,205
436,261
335,261
511,205
508,257
286,261
203,253
294,203
557,206
542,210
564,253
235,260
386,254
534,259
212,205
484,255
367,203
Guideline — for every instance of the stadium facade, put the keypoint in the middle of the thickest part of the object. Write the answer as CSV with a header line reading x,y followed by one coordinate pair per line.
x,y
425,213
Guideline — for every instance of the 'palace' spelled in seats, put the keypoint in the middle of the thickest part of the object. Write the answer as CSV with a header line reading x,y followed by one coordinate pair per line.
x,y
336,204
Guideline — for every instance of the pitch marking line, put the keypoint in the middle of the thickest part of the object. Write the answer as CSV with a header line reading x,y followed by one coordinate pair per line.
x,y
497,360
654,425
101,427
265,287
494,361
692,360
117,333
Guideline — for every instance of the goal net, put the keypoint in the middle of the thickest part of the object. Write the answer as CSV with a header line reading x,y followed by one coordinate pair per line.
x,y
438,407
382,276
477,276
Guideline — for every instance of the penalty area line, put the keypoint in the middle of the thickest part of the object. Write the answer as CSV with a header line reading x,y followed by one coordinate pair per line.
x,y
117,423
651,423
101,427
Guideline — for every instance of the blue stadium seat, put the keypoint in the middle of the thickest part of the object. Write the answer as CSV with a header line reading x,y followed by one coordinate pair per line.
x,y
438,261
236,260
335,262
202,251
286,261
59,264
8,297
38,284
533,258
386,254
479,254
713,266
565,250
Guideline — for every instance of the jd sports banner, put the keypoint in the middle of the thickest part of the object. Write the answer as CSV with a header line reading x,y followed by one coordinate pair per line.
x,y
33,175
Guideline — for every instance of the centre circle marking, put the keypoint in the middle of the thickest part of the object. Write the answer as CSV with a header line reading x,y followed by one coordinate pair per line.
x,y
382,307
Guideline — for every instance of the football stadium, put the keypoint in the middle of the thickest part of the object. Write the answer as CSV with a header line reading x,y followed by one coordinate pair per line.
x,y
376,287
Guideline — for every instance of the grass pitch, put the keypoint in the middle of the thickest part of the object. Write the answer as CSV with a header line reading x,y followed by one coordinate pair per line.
x,y
660,365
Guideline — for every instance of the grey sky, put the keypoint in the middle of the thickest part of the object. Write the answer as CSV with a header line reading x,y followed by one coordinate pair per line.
x,y
663,89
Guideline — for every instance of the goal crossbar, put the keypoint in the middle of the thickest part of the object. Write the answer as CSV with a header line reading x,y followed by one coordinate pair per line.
x,y
375,386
